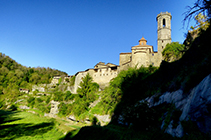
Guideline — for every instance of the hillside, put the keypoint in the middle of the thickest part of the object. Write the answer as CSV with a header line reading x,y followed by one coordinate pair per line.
x,y
15,76
133,90
172,101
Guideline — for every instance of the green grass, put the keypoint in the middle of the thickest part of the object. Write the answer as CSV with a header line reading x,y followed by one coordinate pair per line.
x,y
29,126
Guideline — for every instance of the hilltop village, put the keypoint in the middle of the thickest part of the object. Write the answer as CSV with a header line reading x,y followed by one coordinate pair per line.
x,y
140,55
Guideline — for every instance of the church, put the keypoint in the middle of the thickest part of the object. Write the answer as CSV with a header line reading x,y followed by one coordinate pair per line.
x,y
143,54
140,55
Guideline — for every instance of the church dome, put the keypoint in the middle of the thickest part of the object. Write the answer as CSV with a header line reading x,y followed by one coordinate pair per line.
x,y
142,41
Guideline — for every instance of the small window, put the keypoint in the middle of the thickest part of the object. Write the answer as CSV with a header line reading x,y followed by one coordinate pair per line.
x,y
162,47
164,22
152,64
162,41
152,54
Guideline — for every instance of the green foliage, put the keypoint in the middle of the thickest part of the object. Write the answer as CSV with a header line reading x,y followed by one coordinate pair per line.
x,y
86,95
123,84
72,81
68,96
58,96
31,101
13,107
88,88
95,121
39,100
173,51
14,76
60,80
202,21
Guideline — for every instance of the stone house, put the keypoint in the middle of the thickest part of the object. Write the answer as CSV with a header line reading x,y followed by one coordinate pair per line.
x,y
24,90
101,73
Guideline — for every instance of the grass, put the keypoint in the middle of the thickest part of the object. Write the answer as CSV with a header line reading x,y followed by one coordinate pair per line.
x,y
28,126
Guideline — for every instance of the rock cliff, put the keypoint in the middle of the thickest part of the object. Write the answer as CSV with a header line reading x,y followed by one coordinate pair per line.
x,y
194,106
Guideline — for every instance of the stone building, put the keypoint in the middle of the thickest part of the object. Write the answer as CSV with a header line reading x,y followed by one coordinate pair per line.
x,y
143,54
140,55
101,73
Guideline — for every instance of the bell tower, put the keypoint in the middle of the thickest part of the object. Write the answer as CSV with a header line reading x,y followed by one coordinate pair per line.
x,y
163,30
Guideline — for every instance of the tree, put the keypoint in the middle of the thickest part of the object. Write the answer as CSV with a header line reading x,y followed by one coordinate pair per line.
x,y
87,88
200,6
173,51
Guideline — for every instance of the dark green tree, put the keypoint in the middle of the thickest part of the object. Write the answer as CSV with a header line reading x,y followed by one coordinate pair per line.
x,y
173,51
87,88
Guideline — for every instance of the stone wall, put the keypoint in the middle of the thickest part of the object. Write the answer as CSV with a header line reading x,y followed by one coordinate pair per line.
x,y
102,76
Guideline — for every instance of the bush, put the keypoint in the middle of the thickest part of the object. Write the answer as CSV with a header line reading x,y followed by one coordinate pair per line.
x,y
13,107
31,101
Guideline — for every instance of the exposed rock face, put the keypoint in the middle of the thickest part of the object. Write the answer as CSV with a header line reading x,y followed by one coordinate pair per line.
x,y
54,108
24,107
196,106
40,88
103,119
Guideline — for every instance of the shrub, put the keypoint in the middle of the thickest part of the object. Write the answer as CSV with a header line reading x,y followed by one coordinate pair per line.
x,y
31,101
13,107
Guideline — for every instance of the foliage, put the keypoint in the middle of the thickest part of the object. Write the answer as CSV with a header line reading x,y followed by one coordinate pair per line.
x,y
13,107
14,76
95,121
87,88
72,81
123,85
173,51
31,101
201,21
86,95
200,6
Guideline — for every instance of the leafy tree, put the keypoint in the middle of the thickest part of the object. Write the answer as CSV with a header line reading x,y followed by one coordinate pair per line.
x,y
201,21
173,51
200,6
72,81
87,88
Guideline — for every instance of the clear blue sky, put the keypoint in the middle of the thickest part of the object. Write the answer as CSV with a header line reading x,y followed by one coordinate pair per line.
x,y
74,35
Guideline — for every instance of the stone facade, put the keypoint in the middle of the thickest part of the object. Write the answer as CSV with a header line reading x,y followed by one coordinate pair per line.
x,y
55,79
101,74
140,55
143,54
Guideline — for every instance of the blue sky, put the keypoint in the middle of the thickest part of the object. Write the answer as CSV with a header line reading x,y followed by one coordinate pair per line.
x,y
74,35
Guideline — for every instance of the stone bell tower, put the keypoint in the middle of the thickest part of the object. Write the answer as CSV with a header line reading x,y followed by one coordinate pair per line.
x,y
163,31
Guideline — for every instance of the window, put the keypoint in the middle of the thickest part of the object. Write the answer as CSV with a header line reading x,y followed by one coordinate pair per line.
x,y
164,22
152,54
152,64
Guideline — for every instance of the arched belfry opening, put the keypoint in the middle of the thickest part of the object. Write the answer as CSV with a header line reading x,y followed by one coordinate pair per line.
x,y
164,22
163,30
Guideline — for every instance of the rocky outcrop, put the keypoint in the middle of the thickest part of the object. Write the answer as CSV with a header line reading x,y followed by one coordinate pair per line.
x,y
196,106
104,119
54,109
